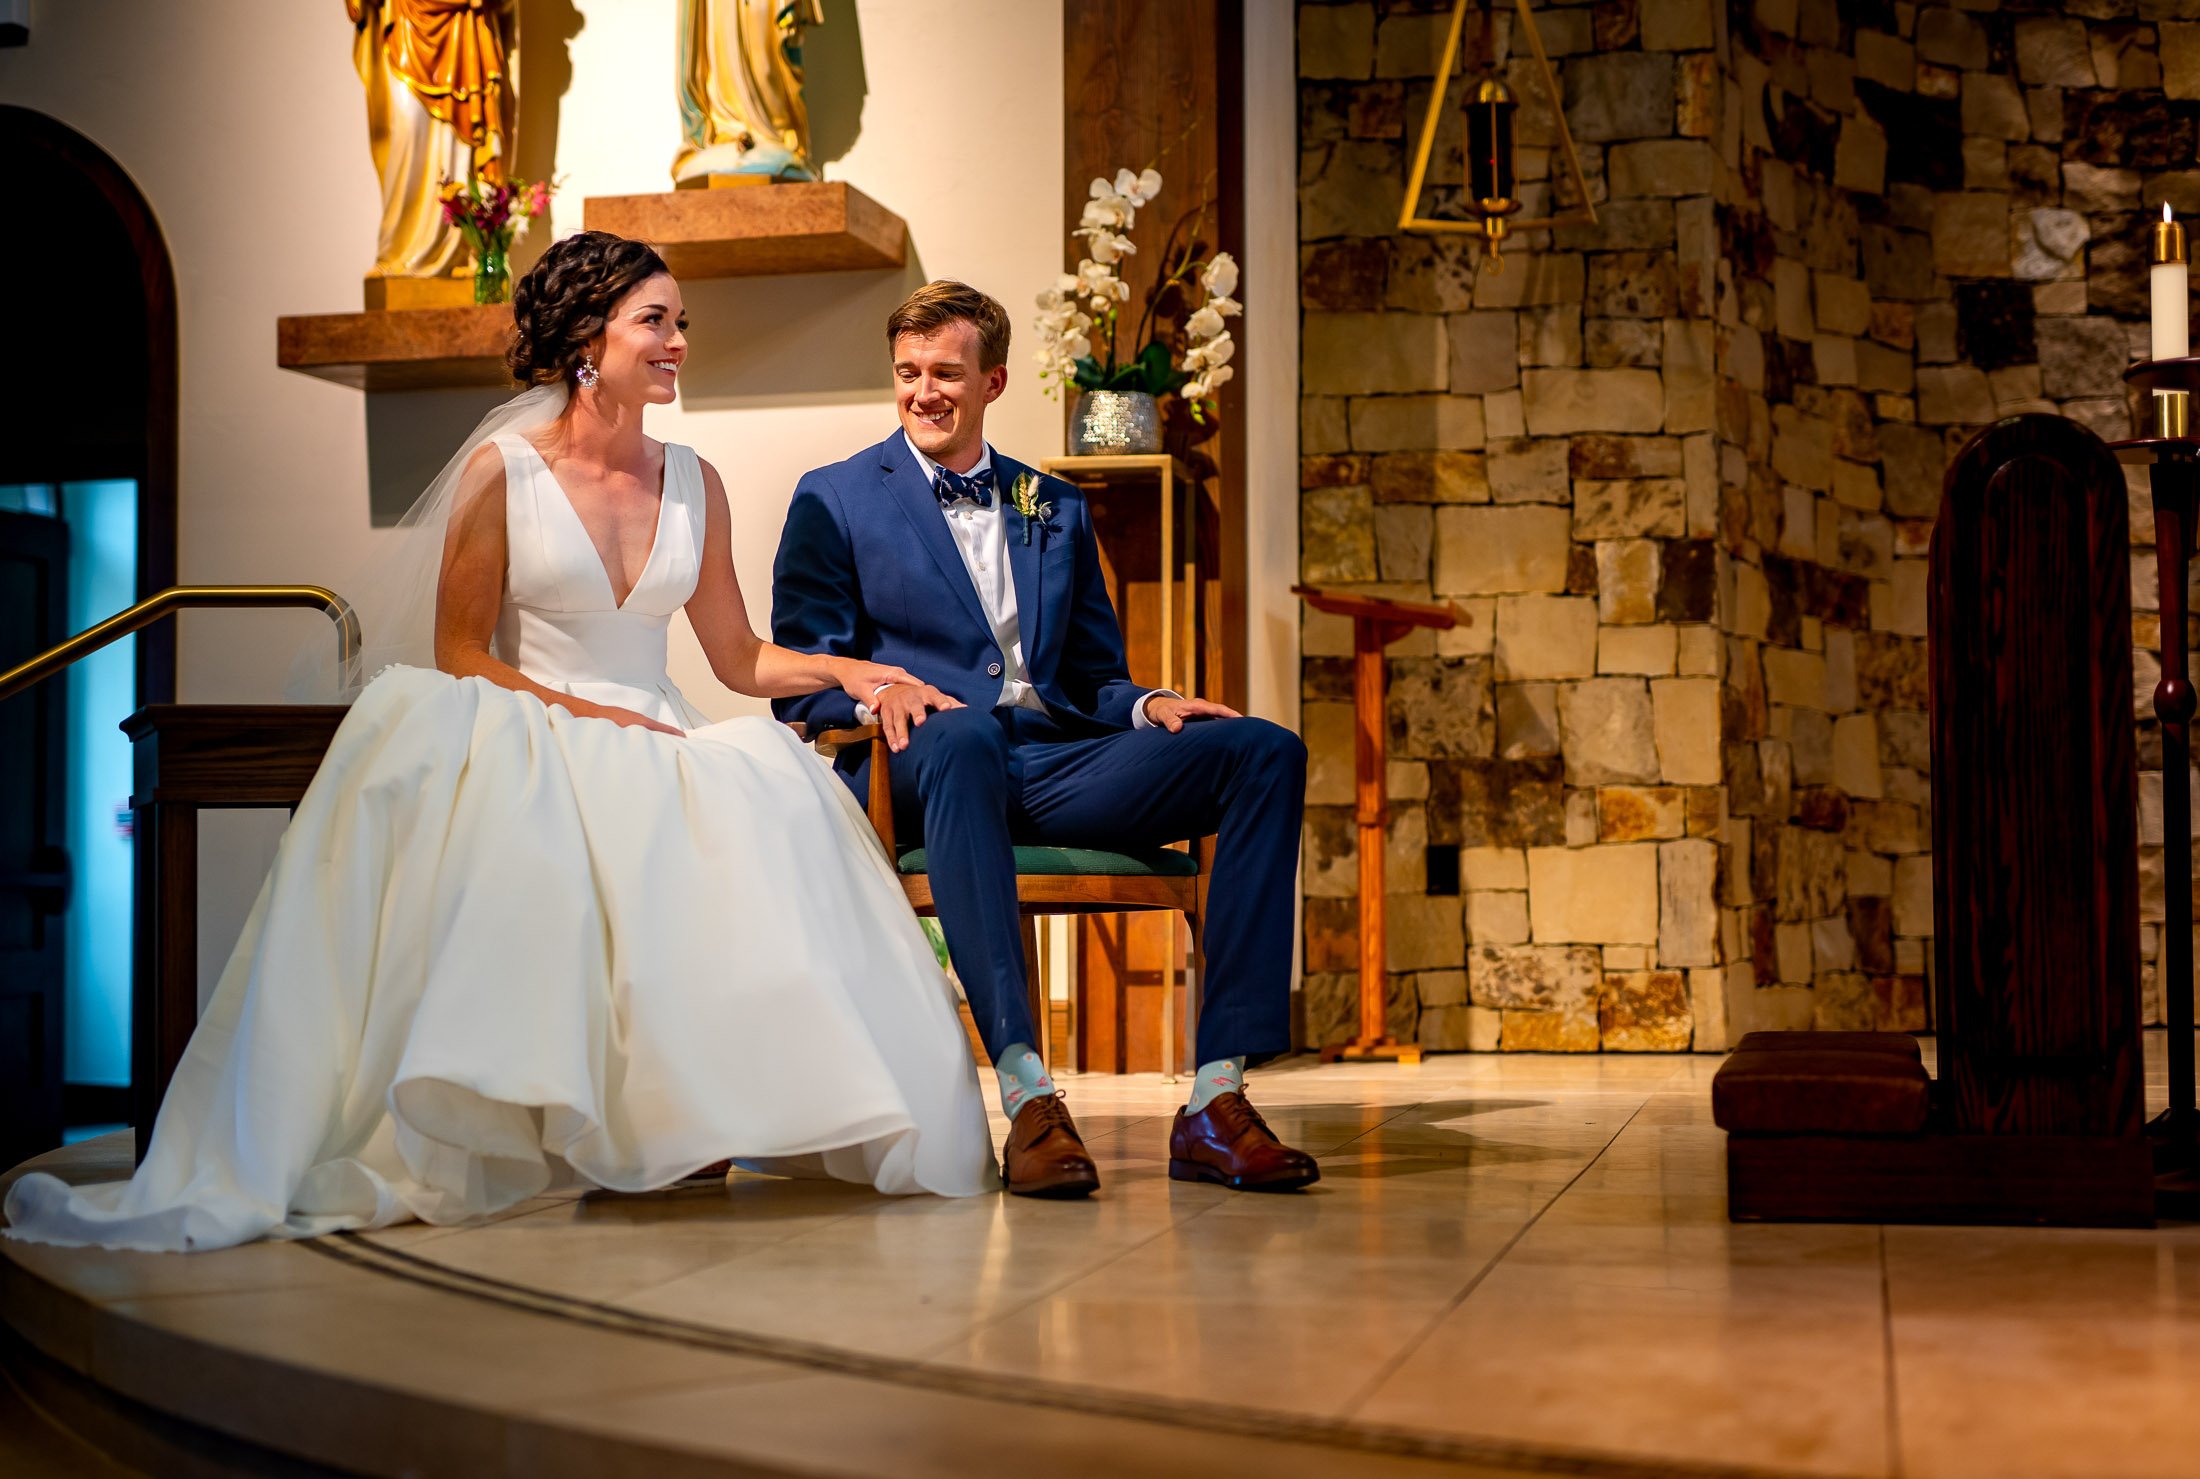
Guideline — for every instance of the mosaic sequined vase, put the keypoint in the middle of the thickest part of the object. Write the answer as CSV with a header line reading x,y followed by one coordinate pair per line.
x,y
1106,422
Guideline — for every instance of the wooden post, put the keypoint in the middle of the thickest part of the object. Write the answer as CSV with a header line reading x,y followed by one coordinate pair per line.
x,y
1376,623
2174,456
1371,809
2174,480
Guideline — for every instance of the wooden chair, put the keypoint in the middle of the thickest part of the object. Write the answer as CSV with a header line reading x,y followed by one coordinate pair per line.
x,y
1060,881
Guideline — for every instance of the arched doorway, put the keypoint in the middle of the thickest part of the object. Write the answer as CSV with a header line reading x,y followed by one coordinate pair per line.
x,y
87,505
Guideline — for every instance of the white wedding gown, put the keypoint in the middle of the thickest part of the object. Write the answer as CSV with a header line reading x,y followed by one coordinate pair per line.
x,y
497,938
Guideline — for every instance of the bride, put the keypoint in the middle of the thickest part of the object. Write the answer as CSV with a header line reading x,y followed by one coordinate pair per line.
x,y
536,913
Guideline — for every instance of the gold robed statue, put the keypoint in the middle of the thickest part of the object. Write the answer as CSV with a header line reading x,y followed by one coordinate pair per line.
x,y
740,73
440,106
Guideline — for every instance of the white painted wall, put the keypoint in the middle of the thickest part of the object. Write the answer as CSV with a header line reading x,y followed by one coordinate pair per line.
x,y
244,125
1271,369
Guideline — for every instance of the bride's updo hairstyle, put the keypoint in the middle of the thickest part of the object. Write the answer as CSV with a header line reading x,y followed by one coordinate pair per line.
x,y
566,298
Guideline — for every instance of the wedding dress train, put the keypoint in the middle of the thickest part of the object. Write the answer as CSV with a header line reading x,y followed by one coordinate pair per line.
x,y
497,938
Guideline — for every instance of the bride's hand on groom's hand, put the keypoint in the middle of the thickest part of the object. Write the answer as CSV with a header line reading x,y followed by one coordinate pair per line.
x,y
903,706
861,680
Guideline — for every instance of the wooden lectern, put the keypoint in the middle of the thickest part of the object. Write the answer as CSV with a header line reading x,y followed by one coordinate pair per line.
x,y
1376,623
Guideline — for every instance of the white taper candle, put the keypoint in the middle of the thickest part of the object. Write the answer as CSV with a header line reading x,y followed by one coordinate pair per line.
x,y
2170,290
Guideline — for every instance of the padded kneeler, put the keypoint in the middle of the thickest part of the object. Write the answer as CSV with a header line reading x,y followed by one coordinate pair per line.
x,y
1822,1083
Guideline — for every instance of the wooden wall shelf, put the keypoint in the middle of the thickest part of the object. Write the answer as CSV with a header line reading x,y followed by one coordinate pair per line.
x,y
399,348
766,229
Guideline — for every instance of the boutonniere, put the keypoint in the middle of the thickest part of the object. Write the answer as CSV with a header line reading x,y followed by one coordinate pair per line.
x,y
1024,498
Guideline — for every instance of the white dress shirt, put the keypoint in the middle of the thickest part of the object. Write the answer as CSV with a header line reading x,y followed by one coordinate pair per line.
x,y
981,535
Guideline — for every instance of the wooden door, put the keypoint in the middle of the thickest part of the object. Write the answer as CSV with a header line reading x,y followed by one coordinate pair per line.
x,y
34,863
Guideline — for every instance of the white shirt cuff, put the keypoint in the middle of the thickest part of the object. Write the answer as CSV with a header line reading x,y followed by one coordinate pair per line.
x,y
1138,709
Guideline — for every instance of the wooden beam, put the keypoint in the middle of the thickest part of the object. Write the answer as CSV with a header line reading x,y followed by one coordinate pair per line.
x,y
1158,83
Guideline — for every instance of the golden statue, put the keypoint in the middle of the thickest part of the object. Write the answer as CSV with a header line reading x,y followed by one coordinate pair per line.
x,y
741,111
440,106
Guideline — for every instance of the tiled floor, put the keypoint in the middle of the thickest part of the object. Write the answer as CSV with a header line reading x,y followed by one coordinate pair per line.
x,y
1519,1263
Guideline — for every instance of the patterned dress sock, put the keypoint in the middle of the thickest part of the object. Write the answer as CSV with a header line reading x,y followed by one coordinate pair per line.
x,y
1023,1077
1223,1076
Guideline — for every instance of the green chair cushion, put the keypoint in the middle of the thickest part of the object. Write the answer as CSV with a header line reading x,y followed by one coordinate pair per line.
x,y
1160,862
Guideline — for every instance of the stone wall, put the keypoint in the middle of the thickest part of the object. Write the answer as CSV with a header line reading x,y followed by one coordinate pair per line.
x,y
1537,444
1937,218
1680,470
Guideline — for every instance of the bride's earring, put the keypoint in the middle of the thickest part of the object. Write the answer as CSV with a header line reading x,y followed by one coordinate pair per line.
x,y
586,374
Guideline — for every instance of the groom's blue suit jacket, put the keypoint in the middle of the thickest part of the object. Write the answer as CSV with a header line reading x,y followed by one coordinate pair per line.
x,y
867,568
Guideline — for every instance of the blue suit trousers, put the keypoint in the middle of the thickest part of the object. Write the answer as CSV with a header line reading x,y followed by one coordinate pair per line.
x,y
974,783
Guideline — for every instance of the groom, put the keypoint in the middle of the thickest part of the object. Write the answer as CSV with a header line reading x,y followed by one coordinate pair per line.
x,y
934,552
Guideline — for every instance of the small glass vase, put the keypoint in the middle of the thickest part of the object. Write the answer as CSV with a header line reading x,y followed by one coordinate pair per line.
x,y
493,274
1111,422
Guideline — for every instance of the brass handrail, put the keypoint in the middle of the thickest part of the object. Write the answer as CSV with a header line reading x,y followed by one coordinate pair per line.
x,y
177,598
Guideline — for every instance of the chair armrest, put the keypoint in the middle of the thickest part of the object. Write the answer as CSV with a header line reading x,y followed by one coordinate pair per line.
x,y
881,804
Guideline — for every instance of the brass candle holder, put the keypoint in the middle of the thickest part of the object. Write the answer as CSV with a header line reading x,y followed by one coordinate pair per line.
x,y
2173,454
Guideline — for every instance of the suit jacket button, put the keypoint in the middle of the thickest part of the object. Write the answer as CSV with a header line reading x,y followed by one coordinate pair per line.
x,y
993,670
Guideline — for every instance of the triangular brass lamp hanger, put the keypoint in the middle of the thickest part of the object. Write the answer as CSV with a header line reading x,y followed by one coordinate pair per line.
x,y
1494,226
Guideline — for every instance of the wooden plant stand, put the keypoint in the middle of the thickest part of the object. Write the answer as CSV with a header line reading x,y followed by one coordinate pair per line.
x,y
1112,1016
1376,623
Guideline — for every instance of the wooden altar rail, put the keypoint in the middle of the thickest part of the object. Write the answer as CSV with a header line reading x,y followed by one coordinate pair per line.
x,y
186,757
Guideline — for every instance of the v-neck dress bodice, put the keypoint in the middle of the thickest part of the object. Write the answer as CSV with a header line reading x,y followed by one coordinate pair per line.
x,y
561,623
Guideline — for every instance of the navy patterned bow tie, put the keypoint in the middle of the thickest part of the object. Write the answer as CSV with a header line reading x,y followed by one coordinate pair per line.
x,y
951,487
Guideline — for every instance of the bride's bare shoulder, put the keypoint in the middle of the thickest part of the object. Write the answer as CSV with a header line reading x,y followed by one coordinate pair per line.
x,y
487,462
477,503
483,476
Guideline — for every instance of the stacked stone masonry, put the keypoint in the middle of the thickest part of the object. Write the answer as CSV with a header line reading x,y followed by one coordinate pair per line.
x,y
1679,469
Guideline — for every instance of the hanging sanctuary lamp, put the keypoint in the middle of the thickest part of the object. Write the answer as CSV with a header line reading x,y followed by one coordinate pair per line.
x,y
1493,179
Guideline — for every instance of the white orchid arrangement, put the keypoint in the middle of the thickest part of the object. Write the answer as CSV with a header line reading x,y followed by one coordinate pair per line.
x,y
1207,357
1079,315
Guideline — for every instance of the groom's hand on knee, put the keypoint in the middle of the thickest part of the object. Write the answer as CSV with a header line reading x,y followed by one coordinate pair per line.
x,y
902,706
1170,712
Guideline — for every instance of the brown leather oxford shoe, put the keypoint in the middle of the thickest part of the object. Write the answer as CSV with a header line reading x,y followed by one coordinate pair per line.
x,y
1229,1143
1045,1156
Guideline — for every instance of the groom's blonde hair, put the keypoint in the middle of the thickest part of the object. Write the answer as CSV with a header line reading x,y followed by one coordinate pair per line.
x,y
937,304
